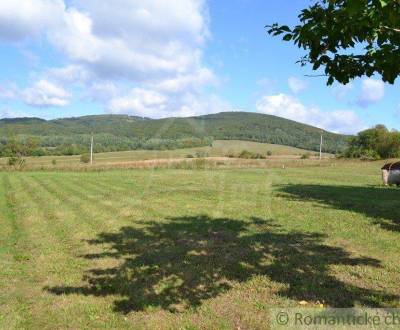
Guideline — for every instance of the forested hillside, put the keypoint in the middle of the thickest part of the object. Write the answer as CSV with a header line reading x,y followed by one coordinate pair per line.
x,y
121,132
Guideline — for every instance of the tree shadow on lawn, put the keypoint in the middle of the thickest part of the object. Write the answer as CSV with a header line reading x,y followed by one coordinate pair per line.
x,y
179,263
382,204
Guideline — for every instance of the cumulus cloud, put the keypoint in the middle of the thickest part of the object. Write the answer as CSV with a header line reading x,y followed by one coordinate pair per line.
x,y
102,91
297,85
282,105
191,105
193,81
153,104
20,21
44,93
372,91
156,46
41,93
68,74
140,102
133,39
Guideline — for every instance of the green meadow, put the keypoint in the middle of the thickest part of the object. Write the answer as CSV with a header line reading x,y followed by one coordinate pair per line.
x,y
193,249
218,149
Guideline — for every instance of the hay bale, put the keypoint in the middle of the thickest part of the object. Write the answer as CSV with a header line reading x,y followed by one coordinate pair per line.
x,y
391,173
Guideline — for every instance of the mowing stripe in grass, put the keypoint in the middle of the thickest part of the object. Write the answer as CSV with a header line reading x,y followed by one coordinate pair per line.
x,y
78,204
58,262
51,198
26,278
112,202
9,238
57,239
95,197
14,258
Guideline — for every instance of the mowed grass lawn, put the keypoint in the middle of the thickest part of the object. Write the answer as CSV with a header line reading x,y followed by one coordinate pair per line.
x,y
193,249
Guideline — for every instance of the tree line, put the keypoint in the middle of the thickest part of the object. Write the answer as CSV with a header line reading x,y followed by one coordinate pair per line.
x,y
374,143
24,146
118,132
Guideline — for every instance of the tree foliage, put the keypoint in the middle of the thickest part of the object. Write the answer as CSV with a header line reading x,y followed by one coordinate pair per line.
x,y
375,143
348,38
85,158
69,136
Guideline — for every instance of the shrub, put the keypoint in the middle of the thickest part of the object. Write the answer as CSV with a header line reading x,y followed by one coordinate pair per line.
x,y
12,161
54,162
85,158
269,153
305,156
17,162
245,154
231,154
189,156
250,155
369,155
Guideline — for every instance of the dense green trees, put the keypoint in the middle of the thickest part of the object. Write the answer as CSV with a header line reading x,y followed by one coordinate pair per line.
x,y
15,146
375,143
69,136
23,146
348,38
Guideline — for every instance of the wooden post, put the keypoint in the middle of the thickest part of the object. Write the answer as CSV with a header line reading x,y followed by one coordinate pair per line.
x,y
91,151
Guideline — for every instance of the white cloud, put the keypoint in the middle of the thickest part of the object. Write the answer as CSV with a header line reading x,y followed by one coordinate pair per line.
x,y
45,94
41,93
134,39
141,102
68,74
192,105
193,81
282,105
155,46
297,85
102,91
153,104
372,91
19,21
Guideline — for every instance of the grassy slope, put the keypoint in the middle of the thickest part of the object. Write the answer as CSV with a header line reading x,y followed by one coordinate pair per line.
x,y
125,248
219,148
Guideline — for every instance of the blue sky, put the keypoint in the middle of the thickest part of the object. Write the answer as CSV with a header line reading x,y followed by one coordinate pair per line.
x,y
158,58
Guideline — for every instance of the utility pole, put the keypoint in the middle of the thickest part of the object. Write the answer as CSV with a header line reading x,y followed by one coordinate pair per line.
x,y
320,148
91,150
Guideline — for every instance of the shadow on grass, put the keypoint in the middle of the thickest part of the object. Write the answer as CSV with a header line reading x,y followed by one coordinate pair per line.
x,y
179,263
382,204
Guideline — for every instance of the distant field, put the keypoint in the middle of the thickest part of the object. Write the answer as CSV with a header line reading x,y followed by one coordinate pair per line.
x,y
219,149
193,249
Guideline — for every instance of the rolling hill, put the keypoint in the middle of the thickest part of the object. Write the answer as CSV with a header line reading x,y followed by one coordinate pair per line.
x,y
122,132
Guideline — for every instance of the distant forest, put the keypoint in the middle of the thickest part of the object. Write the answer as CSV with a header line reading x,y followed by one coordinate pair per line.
x,y
69,136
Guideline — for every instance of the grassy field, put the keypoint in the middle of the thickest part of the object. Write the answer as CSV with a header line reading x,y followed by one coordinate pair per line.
x,y
193,249
219,149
